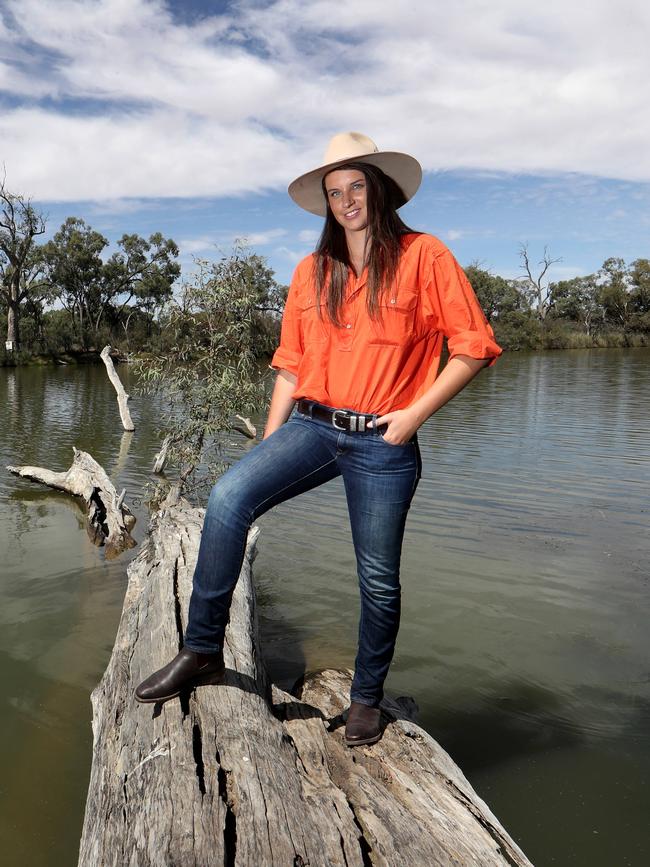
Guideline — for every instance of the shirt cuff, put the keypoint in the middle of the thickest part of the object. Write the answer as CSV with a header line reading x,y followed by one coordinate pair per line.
x,y
285,360
474,344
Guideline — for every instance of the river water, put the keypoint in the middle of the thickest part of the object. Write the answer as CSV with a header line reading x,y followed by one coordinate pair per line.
x,y
525,576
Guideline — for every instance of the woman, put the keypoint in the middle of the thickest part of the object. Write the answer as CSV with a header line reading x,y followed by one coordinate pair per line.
x,y
362,335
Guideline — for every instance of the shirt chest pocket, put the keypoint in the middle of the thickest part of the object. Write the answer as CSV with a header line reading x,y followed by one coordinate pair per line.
x,y
398,311
313,328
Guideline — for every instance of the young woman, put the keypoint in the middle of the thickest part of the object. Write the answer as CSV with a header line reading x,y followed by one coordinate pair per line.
x,y
362,335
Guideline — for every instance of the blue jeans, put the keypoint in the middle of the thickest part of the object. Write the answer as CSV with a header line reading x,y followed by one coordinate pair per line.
x,y
380,480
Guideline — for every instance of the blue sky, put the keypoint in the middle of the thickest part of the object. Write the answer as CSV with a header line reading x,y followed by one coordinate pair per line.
x,y
191,118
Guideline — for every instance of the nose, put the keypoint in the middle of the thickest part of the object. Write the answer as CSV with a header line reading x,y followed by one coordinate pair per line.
x,y
349,199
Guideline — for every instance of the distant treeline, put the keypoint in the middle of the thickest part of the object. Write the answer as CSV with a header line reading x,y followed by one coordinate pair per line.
x,y
608,308
68,298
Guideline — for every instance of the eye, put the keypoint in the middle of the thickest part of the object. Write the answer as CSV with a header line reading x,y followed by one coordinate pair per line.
x,y
333,193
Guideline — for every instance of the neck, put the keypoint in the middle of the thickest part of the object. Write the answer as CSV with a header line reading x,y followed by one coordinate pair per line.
x,y
357,248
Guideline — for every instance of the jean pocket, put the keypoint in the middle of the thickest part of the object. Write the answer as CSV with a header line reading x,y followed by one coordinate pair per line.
x,y
395,445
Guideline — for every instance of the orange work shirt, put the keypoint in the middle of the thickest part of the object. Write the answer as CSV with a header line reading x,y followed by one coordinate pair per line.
x,y
380,366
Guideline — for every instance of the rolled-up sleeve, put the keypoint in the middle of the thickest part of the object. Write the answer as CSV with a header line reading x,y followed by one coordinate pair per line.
x,y
289,353
451,306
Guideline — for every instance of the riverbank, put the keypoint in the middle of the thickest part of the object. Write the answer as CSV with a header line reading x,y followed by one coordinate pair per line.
x,y
24,358
557,335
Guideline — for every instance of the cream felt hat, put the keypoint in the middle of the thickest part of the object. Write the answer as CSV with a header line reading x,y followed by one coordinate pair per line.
x,y
347,147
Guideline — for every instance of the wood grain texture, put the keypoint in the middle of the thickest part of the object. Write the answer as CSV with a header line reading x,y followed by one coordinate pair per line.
x,y
246,774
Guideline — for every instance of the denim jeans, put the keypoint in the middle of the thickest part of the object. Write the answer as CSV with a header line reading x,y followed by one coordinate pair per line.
x,y
380,480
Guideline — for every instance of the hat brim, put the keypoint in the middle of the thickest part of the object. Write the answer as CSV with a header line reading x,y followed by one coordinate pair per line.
x,y
406,171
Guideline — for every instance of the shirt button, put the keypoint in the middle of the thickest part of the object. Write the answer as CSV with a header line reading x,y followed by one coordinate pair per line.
x,y
348,325
392,300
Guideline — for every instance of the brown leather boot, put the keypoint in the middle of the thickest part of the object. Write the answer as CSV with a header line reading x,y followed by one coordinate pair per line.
x,y
186,670
363,725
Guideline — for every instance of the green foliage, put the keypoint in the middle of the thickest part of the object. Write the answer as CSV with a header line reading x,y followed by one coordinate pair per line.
x,y
507,309
208,372
577,301
496,295
94,291
58,332
518,330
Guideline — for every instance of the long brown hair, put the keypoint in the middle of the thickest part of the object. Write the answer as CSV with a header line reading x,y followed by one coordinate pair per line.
x,y
385,228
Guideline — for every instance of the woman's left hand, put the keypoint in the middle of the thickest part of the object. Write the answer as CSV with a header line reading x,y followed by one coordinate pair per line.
x,y
402,424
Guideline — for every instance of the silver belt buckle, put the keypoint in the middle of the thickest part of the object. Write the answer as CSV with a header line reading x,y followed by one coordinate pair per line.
x,y
341,412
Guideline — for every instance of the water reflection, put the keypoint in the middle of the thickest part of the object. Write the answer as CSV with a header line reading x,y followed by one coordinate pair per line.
x,y
524,635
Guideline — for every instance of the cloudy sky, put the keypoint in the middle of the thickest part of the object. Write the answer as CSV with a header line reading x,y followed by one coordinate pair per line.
x,y
531,120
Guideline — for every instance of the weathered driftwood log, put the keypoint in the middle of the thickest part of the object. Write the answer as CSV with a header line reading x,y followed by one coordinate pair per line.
x,y
161,458
122,396
245,426
109,519
245,774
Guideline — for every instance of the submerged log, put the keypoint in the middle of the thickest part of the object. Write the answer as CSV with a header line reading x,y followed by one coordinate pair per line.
x,y
122,396
244,773
245,426
109,519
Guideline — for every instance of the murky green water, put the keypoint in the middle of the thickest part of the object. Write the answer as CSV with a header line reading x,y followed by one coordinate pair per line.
x,y
524,635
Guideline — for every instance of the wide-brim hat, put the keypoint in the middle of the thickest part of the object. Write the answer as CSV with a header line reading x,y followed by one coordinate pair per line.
x,y
354,147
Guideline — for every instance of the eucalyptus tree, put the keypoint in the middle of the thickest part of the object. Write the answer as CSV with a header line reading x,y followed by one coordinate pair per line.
x,y
535,282
578,301
90,286
75,270
209,369
20,272
640,289
142,272
614,293
497,296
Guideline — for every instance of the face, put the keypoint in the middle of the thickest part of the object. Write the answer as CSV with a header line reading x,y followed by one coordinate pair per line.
x,y
346,195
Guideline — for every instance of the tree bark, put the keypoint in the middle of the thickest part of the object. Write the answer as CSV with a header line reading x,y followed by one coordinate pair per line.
x,y
109,519
13,322
161,457
122,396
245,774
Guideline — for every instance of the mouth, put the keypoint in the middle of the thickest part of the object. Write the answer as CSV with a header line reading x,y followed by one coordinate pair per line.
x,y
352,214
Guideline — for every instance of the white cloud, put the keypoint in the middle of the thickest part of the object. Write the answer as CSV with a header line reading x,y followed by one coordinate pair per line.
x,y
263,239
192,246
142,105
308,236
220,241
291,255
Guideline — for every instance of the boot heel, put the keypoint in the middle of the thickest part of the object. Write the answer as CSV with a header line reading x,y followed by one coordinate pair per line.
x,y
213,679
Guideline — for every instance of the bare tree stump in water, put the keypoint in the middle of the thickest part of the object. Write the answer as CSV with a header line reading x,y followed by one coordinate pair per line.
x,y
246,774
160,459
109,519
122,396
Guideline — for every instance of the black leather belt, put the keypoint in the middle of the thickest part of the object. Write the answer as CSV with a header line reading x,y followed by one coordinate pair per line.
x,y
342,419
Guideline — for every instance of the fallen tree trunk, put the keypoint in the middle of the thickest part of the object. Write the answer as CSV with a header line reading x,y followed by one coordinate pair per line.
x,y
109,519
122,396
246,774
